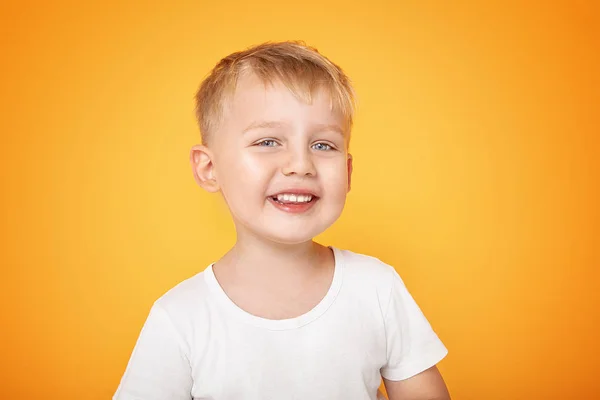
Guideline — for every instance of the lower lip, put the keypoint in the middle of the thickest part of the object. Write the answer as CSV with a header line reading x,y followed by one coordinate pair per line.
x,y
293,208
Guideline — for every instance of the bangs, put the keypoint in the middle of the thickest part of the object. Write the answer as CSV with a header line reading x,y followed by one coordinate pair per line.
x,y
303,70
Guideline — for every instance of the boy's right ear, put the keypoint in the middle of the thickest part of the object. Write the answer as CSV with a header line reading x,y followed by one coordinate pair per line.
x,y
203,167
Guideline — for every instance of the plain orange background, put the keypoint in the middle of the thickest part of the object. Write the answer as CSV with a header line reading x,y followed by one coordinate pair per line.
x,y
476,175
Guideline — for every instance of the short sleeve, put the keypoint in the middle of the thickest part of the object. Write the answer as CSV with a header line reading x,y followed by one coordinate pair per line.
x,y
412,345
158,367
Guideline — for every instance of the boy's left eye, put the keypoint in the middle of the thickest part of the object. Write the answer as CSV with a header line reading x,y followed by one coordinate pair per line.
x,y
322,146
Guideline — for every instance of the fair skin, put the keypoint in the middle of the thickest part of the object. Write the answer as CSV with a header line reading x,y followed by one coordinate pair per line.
x,y
428,385
268,143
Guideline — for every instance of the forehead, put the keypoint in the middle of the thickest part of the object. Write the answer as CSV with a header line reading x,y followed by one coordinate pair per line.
x,y
255,100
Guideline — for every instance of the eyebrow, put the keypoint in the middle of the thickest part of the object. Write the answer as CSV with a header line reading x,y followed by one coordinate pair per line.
x,y
263,125
278,124
329,127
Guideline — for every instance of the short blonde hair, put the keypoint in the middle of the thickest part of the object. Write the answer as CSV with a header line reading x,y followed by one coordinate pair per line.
x,y
301,68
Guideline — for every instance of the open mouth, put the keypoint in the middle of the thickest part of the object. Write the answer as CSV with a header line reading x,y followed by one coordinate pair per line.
x,y
294,198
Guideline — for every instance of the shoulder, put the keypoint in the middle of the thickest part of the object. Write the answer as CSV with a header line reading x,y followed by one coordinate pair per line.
x,y
186,299
368,274
365,267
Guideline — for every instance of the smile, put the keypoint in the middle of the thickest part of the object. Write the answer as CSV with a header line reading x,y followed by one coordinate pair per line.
x,y
293,203
293,198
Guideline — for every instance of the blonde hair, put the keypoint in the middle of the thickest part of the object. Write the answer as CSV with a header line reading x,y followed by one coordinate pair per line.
x,y
301,68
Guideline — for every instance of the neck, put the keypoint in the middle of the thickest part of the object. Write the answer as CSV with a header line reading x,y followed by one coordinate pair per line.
x,y
258,258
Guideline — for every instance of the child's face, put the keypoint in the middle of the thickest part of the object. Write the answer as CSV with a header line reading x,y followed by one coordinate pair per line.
x,y
271,143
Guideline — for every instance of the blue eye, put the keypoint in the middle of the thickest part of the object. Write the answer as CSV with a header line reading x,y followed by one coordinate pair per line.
x,y
267,143
322,146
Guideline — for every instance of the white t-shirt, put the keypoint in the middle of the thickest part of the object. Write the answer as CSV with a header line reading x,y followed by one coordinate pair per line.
x,y
197,344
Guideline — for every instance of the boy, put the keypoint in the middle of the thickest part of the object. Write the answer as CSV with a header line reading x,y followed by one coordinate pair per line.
x,y
280,316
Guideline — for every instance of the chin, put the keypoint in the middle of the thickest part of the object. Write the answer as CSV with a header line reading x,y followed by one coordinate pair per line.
x,y
288,230
282,238
296,233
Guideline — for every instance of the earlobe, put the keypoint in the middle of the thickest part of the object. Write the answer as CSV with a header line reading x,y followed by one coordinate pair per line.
x,y
201,160
349,171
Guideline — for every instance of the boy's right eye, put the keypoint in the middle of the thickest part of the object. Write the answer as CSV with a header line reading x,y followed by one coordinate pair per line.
x,y
266,143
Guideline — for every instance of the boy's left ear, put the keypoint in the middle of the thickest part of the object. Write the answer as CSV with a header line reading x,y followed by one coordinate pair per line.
x,y
349,171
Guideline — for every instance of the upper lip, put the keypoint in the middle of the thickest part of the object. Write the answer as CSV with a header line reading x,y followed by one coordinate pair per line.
x,y
296,191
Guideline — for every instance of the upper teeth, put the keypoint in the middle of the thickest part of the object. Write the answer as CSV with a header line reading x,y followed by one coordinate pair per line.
x,y
298,198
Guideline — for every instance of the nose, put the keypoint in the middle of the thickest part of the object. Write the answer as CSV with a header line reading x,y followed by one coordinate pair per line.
x,y
299,162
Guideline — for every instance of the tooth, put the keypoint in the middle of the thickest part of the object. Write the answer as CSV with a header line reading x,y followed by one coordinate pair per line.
x,y
296,198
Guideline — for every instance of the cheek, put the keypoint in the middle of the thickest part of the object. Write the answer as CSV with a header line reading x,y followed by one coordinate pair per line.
x,y
255,165
244,174
335,177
